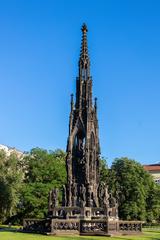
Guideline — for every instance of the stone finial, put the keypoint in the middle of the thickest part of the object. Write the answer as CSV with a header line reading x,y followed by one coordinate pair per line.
x,y
84,28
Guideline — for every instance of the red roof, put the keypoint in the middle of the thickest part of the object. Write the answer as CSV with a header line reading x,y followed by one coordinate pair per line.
x,y
154,167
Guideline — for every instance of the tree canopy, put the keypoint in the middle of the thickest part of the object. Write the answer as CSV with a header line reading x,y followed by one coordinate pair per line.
x,y
25,185
45,170
135,189
11,178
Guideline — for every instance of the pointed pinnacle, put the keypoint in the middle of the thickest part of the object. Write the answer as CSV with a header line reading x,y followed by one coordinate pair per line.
x,y
84,47
95,103
84,28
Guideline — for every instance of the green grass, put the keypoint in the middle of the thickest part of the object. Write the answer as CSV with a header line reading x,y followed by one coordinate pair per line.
x,y
6,235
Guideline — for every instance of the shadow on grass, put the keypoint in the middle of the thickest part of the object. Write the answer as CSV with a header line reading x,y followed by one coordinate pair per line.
x,y
152,231
8,229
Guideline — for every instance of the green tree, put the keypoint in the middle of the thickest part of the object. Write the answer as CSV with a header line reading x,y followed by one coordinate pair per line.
x,y
11,178
45,170
103,169
133,186
153,203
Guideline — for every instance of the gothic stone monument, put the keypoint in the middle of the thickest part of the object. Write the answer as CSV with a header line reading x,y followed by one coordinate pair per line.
x,y
84,200
87,207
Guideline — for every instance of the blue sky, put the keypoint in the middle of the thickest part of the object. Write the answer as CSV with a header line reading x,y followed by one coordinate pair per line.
x,y
39,51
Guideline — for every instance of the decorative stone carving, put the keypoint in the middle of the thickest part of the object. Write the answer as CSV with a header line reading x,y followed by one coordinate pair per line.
x,y
93,227
66,225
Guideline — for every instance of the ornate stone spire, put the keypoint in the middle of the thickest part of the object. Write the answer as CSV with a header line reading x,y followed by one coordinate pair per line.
x,y
82,161
84,61
84,46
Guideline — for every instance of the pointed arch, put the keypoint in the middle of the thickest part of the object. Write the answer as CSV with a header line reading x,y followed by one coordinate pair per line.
x,y
78,151
79,126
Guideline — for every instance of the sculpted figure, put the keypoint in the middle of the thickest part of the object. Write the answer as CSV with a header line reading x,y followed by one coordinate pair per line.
x,y
106,197
83,195
112,201
89,196
54,197
74,194
95,198
101,194
64,196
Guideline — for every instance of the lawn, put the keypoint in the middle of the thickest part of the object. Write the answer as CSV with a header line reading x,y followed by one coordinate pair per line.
x,y
6,235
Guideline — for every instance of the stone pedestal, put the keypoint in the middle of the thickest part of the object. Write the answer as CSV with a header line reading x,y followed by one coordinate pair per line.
x,y
86,213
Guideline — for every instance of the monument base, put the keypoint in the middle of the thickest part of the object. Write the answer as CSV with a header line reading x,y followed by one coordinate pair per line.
x,y
81,221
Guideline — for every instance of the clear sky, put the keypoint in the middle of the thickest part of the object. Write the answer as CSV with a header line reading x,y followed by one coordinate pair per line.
x,y
39,51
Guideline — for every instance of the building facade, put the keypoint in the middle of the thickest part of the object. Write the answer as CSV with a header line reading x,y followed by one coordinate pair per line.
x,y
154,170
11,150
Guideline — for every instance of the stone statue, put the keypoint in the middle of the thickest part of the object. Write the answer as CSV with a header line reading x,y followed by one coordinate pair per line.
x,y
54,197
74,194
101,195
89,196
112,201
83,195
106,197
64,196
